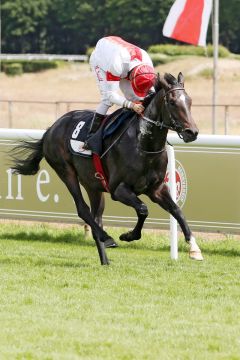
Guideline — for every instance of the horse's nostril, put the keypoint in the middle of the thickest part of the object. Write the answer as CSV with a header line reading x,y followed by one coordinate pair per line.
x,y
191,132
190,135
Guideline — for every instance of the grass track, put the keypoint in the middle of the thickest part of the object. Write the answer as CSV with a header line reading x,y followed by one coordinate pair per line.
x,y
57,302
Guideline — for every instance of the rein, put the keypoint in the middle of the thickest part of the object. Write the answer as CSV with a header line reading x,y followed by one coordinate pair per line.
x,y
120,135
173,127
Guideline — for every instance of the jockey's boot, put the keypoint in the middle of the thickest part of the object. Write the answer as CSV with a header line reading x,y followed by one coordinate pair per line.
x,y
95,124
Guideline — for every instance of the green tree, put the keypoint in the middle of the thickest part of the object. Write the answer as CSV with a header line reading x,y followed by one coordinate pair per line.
x,y
139,22
63,26
74,25
23,27
229,28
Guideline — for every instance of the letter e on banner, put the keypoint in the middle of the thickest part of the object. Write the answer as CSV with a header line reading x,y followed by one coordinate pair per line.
x,y
43,178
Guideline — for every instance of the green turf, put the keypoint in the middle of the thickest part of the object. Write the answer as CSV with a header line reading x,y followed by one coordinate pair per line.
x,y
57,302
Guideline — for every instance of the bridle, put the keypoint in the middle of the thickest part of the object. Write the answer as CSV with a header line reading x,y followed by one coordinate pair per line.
x,y
173,123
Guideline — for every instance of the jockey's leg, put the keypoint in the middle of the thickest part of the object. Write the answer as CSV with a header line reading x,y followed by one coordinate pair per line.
x,y
95,124
102,107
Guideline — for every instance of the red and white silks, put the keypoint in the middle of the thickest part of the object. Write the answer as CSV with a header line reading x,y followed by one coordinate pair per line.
x,y
188,21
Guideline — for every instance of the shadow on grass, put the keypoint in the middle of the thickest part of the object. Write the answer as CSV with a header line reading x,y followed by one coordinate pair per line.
x,y
220,249
222,252
67,237
78,238
82,262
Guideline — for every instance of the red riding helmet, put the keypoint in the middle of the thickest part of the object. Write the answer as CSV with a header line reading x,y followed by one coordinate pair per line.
x,y
142,79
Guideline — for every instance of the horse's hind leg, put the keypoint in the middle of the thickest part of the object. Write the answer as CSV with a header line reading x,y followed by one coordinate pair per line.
x,y
125,195
97,203
163,198
69,177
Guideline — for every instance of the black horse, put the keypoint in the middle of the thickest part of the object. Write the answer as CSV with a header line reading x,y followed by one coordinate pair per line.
x,y
136,163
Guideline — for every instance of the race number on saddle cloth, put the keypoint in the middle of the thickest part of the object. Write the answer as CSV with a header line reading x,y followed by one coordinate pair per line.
x,y
112,61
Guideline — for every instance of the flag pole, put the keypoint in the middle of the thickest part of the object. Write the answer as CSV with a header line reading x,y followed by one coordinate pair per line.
x,y
0,34
215,62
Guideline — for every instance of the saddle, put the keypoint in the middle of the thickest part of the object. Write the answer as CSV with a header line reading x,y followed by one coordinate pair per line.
x,y
80,127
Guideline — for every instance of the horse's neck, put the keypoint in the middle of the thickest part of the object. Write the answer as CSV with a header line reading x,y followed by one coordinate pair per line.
x,y
152,138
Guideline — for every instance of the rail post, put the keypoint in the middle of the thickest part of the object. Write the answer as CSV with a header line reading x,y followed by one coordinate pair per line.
x,y
226,117
173,192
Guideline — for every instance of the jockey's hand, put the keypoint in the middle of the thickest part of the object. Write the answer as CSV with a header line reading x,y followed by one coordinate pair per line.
x,y
138,108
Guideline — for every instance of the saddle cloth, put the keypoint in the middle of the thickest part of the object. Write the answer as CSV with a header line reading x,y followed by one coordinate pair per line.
x,y
80,127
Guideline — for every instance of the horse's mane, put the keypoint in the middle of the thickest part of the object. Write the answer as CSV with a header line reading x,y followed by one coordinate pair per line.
x,y
168,78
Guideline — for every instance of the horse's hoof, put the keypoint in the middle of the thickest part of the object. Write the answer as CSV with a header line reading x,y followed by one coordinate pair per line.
x,y
110,243
106,262
129,237
196,255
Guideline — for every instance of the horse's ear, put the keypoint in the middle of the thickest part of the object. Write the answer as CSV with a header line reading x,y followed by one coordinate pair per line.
x,y
181,79
161,83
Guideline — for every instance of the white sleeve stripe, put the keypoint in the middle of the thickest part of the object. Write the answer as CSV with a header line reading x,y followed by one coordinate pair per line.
x,y
173,16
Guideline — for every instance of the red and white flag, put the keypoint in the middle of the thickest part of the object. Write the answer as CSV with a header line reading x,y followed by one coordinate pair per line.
x,y
188,21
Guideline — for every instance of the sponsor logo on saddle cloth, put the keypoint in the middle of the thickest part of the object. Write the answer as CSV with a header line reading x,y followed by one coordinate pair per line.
x,y
181,183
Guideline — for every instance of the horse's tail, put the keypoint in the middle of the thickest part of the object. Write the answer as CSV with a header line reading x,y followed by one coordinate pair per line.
x,y
26,157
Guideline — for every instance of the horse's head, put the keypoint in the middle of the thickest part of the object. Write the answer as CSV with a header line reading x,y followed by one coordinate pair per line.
x,y
176,107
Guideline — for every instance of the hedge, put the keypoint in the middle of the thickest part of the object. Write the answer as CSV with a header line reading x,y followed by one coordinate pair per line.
x,y
159,59
164,53
176,50
30,66
13,69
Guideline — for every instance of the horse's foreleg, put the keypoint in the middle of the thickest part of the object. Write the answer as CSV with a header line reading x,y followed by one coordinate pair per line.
x,y
162,197
97,203
125,195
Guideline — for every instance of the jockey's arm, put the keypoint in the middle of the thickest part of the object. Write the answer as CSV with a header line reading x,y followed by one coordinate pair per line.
x,y
119,100
111,96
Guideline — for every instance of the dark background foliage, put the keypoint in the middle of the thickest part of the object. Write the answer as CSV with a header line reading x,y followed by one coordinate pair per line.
x,y
70,27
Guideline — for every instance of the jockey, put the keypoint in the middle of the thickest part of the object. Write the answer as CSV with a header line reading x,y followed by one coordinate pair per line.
x,y
119,64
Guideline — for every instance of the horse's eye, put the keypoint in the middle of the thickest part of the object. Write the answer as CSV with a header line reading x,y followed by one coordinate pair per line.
x,y
172,102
